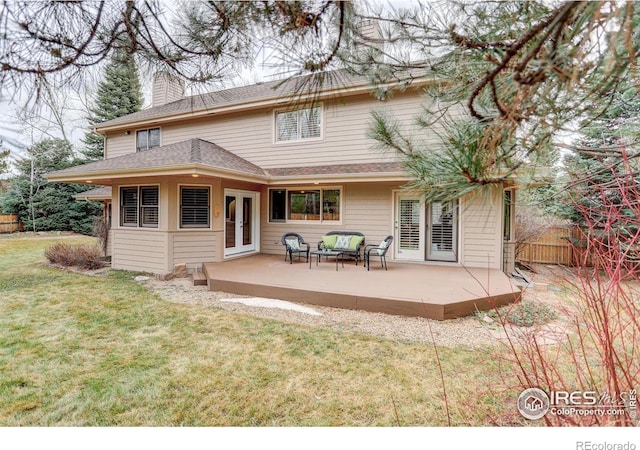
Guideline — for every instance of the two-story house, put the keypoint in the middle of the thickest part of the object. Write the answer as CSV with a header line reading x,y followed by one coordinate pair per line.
x,y
217,176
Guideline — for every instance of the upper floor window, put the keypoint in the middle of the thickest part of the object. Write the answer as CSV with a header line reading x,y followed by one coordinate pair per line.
x,y
147,139
300,124
139,206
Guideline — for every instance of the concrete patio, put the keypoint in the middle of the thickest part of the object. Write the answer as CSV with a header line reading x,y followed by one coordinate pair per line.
x,y
410,289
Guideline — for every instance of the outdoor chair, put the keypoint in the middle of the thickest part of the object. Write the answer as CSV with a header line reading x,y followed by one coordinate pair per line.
x,y
294,243
377,250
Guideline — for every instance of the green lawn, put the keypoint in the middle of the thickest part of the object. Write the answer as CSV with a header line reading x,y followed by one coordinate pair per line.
x,y
81,350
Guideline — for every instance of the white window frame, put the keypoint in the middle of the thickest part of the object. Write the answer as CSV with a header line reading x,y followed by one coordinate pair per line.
x,y
511,211
147,130
306,188
179,209
139,207
299,139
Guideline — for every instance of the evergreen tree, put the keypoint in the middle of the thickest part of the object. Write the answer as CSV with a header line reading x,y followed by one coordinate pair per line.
x,y
4,159
599,160
44,206
118,94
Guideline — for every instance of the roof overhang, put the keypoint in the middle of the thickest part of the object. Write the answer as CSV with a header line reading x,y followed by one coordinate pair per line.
x,y
96,195
107,177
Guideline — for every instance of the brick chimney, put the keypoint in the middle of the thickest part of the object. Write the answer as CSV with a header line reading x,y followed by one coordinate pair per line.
x,y
167,88
370,30
368,40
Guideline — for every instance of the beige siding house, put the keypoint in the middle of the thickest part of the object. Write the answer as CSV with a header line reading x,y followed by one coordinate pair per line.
x,y
212,177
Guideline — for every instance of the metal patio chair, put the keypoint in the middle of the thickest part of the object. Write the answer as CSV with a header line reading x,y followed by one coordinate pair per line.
x,y
294,243
378,250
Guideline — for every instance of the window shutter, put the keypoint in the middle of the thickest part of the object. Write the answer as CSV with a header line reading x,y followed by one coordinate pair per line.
x,y
310,123
409,224
149,217
194,210
149,196
129,207
442,226
287,124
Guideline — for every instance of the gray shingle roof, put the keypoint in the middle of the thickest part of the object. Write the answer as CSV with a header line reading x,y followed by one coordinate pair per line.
x,y
239,95
185,153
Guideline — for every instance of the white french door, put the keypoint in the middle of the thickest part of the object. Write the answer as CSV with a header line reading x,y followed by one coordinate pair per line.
x,y
425,232
442,233
241,221
409,226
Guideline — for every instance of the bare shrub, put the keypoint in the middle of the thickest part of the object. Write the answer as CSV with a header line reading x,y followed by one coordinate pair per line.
x,y
601,354
60,254
88,257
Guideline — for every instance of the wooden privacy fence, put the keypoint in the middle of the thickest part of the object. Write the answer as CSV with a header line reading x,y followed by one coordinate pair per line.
x,y
553,247
10,223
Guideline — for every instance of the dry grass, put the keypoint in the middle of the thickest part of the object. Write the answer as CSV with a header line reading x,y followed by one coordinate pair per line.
x,y
80,350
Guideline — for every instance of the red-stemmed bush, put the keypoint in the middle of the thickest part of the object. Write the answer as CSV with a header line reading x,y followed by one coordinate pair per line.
x,y
601,350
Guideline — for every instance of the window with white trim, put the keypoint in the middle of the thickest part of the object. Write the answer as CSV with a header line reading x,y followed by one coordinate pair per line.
x,y
310,205
194,207
147,139
139,206
508,215
299,124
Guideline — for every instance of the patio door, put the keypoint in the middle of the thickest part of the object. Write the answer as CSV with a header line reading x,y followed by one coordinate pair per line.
x,y
241,221
425,232
409,226
442,242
